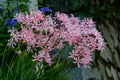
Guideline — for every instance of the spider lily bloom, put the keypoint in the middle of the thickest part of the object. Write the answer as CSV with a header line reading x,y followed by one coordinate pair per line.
x,y
42,34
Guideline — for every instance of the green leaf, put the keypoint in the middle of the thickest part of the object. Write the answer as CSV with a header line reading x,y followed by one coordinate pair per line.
x,y
102,8
9,7
23,7
23,0
114,73
24,54
108,15
1,5
114,34
117,58
106,55
102,70
107,36
1,44
108,72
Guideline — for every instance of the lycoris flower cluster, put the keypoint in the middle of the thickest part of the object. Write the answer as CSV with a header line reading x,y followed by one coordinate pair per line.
x,y
42,33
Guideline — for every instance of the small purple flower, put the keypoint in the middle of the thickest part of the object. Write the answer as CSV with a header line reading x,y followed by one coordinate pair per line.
x,y
10,23
45,9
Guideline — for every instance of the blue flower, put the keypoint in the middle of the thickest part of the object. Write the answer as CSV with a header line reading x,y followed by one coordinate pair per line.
x,y
45,9
10,23
17,8
1,9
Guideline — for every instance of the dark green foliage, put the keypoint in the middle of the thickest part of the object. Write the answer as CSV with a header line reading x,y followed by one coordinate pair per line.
x,y
57,72
15,67
97,9
18,69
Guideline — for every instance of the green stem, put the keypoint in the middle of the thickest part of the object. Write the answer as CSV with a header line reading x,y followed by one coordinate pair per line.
x,y
4,54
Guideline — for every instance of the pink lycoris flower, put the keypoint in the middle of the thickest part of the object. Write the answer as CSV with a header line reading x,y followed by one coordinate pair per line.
x,y
86,61
41,34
